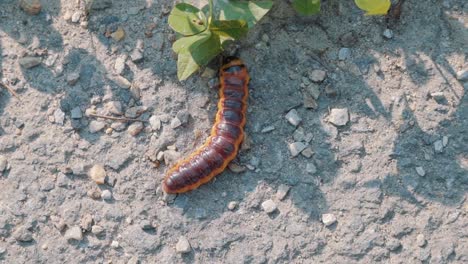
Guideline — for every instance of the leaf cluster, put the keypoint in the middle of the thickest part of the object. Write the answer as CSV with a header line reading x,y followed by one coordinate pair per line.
x,y
203,35
372,7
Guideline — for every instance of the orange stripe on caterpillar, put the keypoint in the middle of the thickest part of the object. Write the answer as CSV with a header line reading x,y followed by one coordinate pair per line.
x,y
221,147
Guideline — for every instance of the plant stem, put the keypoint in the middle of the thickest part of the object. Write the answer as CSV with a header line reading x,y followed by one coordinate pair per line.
x,y
210,17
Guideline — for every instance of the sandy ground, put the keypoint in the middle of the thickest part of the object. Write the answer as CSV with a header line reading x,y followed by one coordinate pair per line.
x,y
383,131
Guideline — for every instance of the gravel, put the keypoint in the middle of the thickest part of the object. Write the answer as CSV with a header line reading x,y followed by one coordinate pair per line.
x,y
98,174
328,219
269,206
293,117
106,195
339,116
183,245
74,234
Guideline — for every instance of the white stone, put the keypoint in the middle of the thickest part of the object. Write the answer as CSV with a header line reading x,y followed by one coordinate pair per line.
x,y
96,126
115,244
155,123
59,116
388,33
293,117
339,116
317,76
421,240
232,205
296,148
74,233
183,245
328,219
269,206
420,171
106,195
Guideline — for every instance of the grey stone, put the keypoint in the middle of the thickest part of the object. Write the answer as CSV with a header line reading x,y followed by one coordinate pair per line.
x,y
310,168
86,222
183,116
344,53
393,244
22,234
76,113
420,171
328,219
317,76
74,233
114,107
445,141
136,56
313,90
269,206
183,245
3,163
29,62
438,146
282,191
96,126
136,111
462,75
339,116
293,117
307,152
100,4
72,78
135,128
296,148
267,129
106,195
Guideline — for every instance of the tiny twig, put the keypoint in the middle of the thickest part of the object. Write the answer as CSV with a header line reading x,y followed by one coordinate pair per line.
x,y
10,90
116,118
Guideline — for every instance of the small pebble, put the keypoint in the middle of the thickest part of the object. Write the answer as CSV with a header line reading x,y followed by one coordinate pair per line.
x,y
114,107
135,128
269,206
438,146
136,56
307,152
183,245
310,168
462,75
32,7
29,62
293,117
3,163
73,78
76,113
176,123
59,116
155,123
344,53
115,244
118,35
119,65
232,205
339,116
282,191
317,76
444,141
420,171
236,168
268,129
74,233
75,18
86,222
421,240
96,126
22,234
388,33
296,148
328,219
122,82
106,195
97,230
98,174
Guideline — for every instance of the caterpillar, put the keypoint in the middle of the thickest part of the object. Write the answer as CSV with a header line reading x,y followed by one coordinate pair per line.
x,y
227,133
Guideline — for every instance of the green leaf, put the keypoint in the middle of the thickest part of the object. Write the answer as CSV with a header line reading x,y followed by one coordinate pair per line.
x,y
184,43
374,7
196,52
306,7
250,11
229,29
187,19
